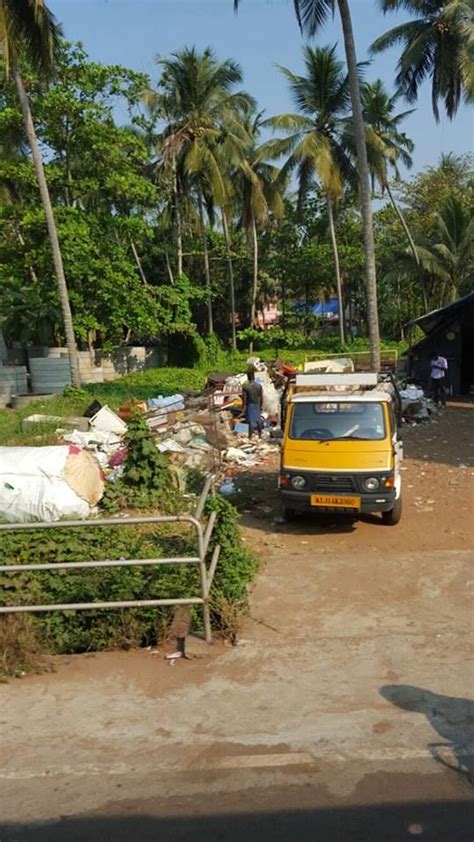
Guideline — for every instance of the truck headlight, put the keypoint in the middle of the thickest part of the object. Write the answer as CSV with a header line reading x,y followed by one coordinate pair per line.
x,y
298,483
372,483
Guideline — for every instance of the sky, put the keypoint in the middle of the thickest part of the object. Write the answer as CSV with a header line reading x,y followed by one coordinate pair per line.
x,y
263,34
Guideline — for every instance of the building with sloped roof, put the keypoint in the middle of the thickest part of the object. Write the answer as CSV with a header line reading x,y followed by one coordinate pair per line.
x,y
449,331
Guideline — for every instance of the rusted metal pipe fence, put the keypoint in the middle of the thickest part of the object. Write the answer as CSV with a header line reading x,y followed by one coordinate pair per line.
x,y
203,537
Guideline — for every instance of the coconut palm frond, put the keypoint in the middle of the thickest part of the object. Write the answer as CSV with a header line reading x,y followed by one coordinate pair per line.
x,y
438,44
312,14
28,29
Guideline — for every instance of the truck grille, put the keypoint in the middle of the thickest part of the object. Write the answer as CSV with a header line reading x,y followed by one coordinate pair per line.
x,y
333,484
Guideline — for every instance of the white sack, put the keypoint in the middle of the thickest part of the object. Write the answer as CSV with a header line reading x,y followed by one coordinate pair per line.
x,y
40,499
32,486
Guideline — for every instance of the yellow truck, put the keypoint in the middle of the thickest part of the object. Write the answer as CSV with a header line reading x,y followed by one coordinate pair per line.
x,y
341,450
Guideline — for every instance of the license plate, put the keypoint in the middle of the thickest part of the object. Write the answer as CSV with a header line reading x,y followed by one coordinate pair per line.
x,y
335,501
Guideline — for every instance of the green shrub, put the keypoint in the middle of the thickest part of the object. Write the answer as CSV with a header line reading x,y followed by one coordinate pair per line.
x,y
80,631
280,341
237,565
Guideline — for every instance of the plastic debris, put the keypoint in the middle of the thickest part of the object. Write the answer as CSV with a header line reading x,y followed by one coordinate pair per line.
x,y
107,421
171,446
173,403
228,488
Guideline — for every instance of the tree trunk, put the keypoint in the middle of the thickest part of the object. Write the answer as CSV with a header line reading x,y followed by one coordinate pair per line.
x,y
168,266
400,321
364,182
21,240
210,322
51,226
179,227
139,263
342,333
231,279
253,303
283,303
403,222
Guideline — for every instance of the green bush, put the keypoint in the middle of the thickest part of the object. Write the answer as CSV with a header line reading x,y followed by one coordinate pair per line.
x,y
145,481
79,631
280,341
195,351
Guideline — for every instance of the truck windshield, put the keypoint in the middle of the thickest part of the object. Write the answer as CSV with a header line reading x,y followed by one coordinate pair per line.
x,y
339,420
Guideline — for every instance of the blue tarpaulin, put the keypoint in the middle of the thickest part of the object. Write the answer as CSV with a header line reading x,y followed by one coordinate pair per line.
x,y
318,308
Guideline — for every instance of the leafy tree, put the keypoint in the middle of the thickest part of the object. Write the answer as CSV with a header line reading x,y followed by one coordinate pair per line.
x,y
258,194
437,44
28,32
197,94
315,143
428,191
449,258
446,262
104,204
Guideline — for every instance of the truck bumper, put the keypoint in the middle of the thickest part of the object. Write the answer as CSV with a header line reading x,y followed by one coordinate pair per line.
x,y
300,501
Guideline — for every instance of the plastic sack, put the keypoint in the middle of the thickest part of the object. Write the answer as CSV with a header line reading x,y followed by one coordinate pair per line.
x,y
84,475
256,364
33,484
40,499
173,403
271,399
412,393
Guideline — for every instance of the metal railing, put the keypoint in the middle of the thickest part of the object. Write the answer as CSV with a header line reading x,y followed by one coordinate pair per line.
x,y
203,537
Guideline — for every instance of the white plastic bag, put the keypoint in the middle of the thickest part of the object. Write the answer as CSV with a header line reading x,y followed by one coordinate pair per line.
x,y
271,399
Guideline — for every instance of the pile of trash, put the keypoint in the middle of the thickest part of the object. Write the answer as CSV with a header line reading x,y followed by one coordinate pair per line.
x,y
202,430
417,408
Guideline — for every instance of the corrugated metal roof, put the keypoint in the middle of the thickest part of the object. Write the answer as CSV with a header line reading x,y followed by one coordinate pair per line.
x,y
430,321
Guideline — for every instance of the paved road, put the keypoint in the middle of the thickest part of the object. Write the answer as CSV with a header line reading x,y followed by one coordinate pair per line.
x,y
345,714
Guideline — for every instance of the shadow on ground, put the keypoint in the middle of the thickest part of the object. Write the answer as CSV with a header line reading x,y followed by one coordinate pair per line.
x,y
452,718
440,821
259,504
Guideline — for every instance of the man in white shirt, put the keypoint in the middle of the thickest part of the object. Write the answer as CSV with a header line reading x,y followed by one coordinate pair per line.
x,y
439,367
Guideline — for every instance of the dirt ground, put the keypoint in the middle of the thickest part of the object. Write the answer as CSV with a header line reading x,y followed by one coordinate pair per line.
x,y
346,712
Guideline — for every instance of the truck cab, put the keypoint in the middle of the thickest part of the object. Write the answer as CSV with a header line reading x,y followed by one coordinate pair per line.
x,y
340,450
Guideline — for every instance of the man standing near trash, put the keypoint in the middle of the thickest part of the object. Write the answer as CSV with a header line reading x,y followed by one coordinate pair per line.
x,y
439,367
253,404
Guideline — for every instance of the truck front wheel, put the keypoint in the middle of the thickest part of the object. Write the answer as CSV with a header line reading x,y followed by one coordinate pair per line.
x,y
392,517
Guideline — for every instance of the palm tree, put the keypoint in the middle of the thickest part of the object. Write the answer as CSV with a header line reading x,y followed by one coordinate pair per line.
x,y
311,15
315,141
450,258
197,94
386,144
437,44
28,30
259,192
446,258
